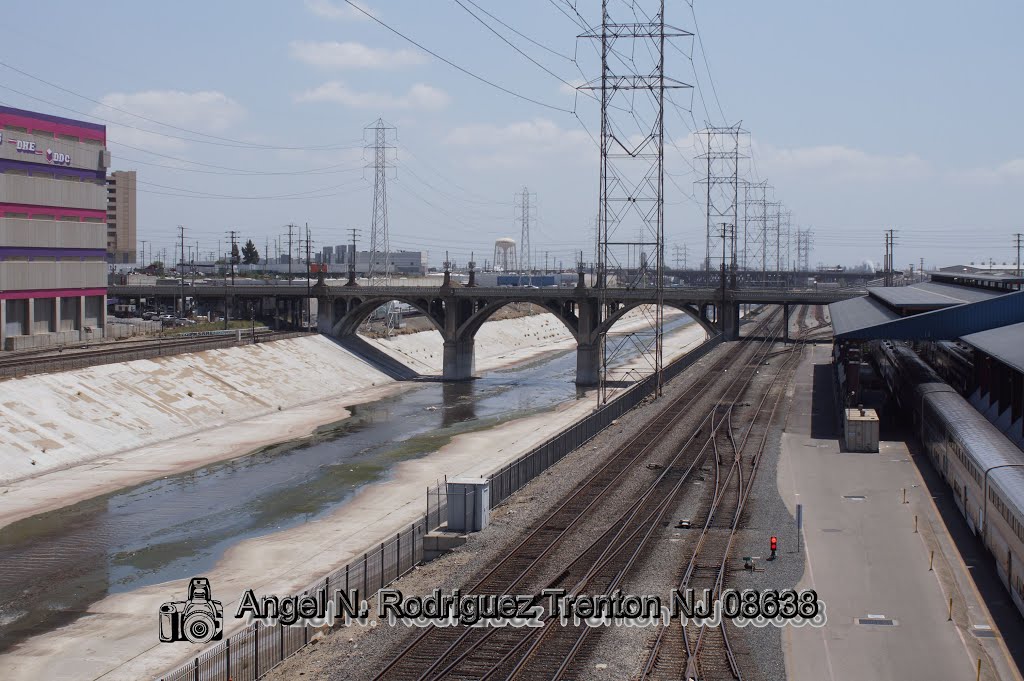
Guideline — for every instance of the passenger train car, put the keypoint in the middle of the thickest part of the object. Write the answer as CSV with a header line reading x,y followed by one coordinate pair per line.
x,y
985,470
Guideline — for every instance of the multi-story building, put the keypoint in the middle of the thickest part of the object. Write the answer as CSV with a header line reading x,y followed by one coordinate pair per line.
x,y
53,224
121,243
398,262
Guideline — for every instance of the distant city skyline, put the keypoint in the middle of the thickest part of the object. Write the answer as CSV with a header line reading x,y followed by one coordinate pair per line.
x,y
863,117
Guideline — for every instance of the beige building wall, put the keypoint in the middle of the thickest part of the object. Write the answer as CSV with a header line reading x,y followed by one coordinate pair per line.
x,y
121,234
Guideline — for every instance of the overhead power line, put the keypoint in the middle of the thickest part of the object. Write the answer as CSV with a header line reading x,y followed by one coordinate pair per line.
x,y
456,66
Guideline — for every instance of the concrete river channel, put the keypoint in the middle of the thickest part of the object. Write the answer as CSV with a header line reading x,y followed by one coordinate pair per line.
x,y
54,565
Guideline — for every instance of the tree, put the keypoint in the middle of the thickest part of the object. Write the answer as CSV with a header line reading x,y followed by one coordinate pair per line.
x,y
250,256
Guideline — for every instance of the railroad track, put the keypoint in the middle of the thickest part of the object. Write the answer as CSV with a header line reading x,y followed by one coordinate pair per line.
x,y
474,653
29,362
704,652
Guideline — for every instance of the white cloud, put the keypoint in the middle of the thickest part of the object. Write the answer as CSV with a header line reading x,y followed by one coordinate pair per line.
x,y
1010,171
205,111
837,162
520,144
419,97
336,10
572,87
350,55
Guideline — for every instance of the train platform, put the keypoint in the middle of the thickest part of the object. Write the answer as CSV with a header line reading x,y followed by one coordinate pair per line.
x,y
880,557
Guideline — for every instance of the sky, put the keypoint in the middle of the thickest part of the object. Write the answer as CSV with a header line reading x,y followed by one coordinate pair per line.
x,y
250,116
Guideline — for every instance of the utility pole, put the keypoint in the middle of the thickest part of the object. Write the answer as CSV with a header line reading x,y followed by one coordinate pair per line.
x,y
352,260
181,267
234,257
1018,238
291,227
309,306
675,249
890,242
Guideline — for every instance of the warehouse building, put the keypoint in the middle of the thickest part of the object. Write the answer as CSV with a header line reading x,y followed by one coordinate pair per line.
x,y
53,229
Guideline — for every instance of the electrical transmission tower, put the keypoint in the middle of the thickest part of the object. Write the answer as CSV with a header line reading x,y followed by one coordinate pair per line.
x,y
632,96
755,227
378,136
722,154
804,242
526,208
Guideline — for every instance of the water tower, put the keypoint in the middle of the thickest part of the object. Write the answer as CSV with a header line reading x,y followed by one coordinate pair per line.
x,y
505,255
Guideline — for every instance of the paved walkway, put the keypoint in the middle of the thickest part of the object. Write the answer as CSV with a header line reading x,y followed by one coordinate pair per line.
x,y
868,564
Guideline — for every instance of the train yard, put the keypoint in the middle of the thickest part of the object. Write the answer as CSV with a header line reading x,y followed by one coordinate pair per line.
x,y
659,510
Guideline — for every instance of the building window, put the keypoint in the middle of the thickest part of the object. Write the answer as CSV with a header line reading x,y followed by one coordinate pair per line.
x,y
94,220
15,215
97,143
69,138
70,218
43,133
15,128
42,217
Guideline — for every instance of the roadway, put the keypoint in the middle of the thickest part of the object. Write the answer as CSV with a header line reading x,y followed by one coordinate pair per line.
x,y
690,295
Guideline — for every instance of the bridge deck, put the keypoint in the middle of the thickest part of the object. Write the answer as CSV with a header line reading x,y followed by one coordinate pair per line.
x,y
672,295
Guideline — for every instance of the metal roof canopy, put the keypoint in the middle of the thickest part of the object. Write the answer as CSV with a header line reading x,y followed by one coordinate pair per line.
x,y
1005,344
931,295
856,313
947,324
975,278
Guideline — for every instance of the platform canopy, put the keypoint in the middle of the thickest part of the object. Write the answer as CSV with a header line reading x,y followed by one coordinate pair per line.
x,y
868,318
1005,344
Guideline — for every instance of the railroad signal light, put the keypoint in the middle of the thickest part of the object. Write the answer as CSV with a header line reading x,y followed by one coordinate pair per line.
x,y
775,546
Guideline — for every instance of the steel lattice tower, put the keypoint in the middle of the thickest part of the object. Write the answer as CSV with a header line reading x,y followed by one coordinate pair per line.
x,y
722,153
755,226
632,169
379,134
525,212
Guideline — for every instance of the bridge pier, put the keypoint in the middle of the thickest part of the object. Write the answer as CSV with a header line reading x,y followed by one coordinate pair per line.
x,y
459,363
588,363
729,321
785,322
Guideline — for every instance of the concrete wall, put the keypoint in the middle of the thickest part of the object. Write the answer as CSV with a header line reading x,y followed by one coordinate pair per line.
x,y
26,233
41,191
121,216
83,155
18,275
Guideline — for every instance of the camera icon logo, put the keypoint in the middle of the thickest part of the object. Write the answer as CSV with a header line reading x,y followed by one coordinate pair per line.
x,y
199,619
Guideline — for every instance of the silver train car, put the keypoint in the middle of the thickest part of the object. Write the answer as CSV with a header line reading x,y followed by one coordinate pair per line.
x,y
984,469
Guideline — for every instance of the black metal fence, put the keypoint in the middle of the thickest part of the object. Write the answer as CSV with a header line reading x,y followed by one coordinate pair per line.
x,y
249,654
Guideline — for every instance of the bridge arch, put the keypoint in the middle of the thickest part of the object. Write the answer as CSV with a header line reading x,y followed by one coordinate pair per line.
x,y
689,309
350,313
482,310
